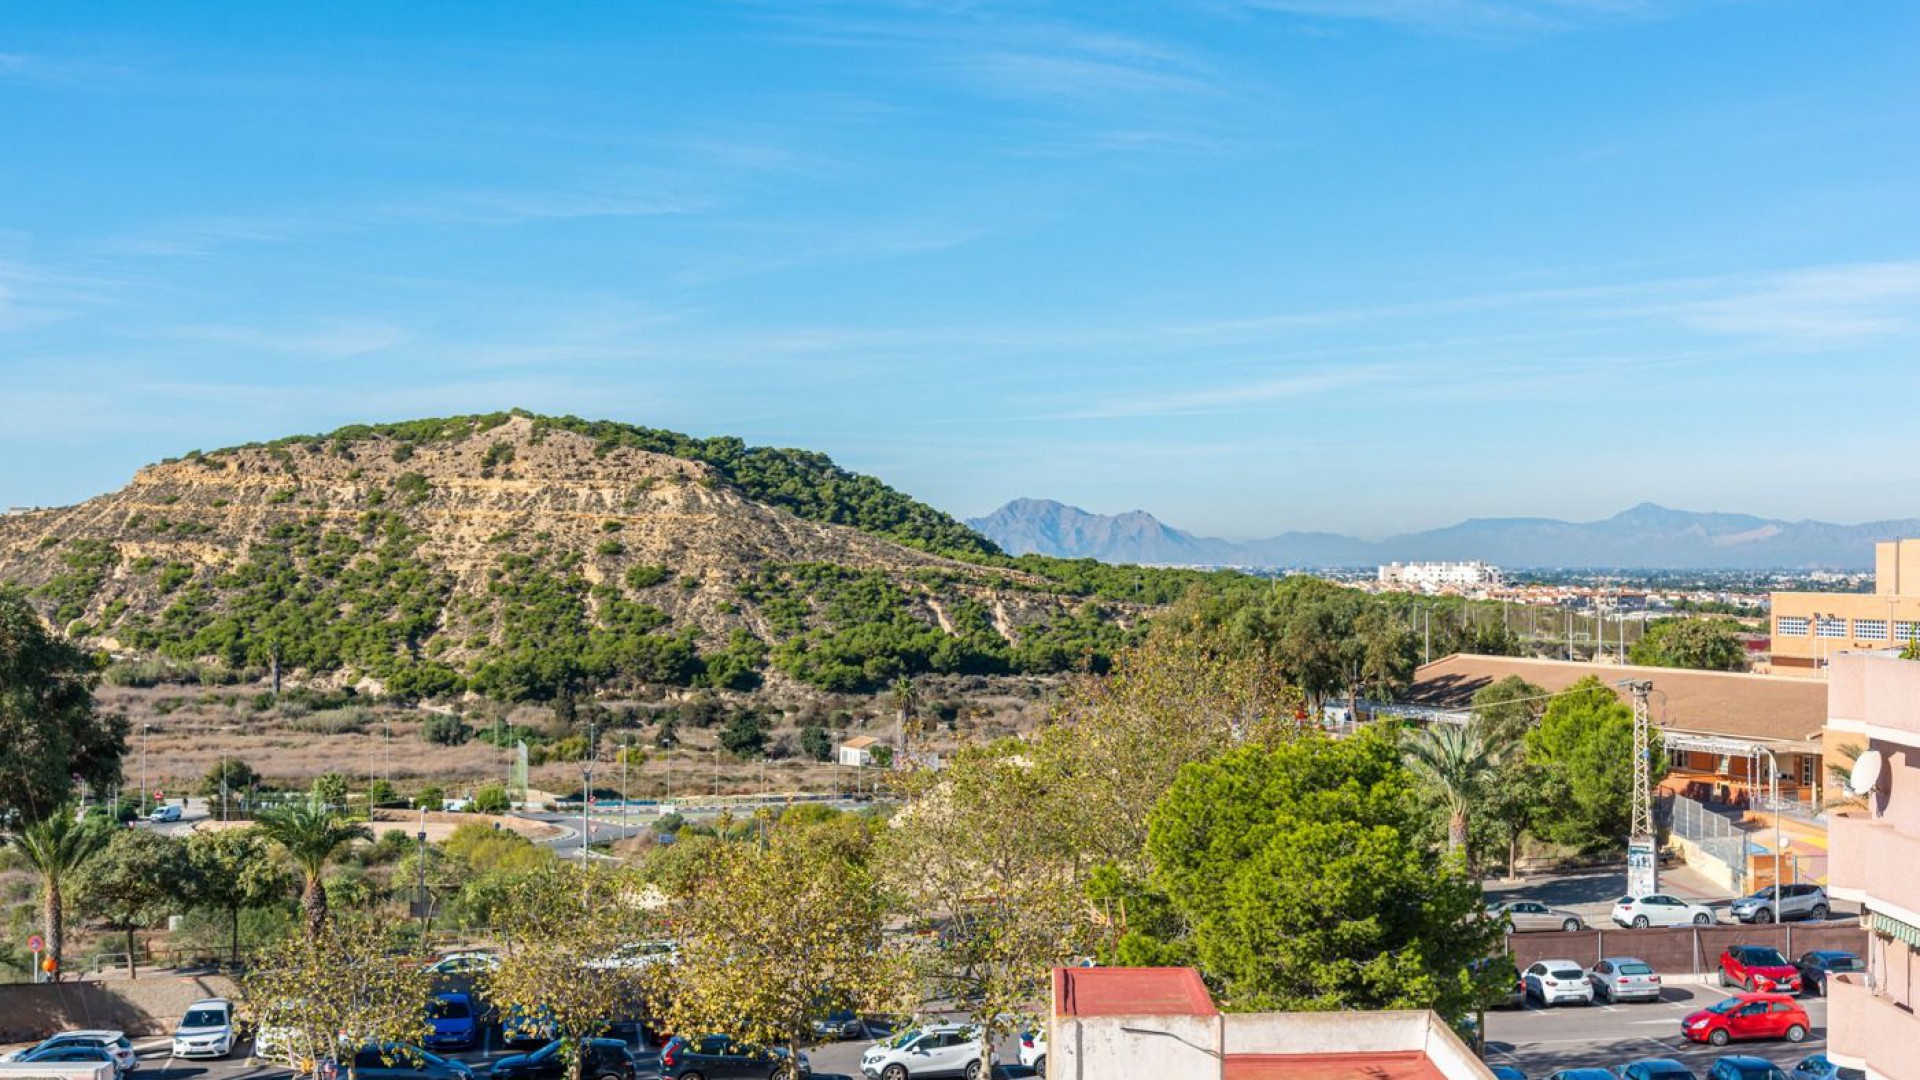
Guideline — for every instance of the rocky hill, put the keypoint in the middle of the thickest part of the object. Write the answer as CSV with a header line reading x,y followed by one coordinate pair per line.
x,y
524,557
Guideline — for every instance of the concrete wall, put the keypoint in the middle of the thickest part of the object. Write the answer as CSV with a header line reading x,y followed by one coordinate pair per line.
x,y
148,1006
1684,950
1163,1047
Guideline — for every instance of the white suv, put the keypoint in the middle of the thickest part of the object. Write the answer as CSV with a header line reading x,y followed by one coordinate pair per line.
x,y
937,1050
206,1030
1033,1051
1552,981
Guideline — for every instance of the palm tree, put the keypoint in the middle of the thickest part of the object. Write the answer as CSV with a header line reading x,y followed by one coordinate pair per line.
x,y
1454,761
56,848
310,832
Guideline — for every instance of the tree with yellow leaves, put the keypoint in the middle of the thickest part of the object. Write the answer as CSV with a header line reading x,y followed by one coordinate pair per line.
x,y
773,935
324,996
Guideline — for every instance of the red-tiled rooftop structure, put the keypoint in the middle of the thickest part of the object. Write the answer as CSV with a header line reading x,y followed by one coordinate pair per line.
x,y
1120,1023
1124,991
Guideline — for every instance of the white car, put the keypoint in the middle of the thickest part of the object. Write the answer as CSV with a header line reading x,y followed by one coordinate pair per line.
x,y
206,1030
1551,982
115,1042
1659,909
936,1050
1033,1051
464,963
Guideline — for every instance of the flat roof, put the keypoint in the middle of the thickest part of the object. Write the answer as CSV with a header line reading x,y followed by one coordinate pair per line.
x,y
1377,1065
1122,991
1765,708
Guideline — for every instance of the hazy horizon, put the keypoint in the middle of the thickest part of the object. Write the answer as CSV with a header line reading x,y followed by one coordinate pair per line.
x,y
1252,266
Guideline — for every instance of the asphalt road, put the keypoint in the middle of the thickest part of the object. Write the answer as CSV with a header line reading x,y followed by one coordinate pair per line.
x,y
1538,1040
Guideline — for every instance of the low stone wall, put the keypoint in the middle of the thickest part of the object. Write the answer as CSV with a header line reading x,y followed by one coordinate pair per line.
x,y
151,1005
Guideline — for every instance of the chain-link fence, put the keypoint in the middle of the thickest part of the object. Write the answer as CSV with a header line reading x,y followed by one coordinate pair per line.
x,y
1712,832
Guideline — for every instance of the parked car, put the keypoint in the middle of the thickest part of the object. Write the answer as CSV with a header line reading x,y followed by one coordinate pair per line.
x,y
205,1030
1748,1016
936,1050
166,812
1581,1074
1659,909
1624,978
1506,1072
1527,915
1033,1052
718,1057
398,1061
519,1027
464,963
1745,1067
71,1052
604,1059
1553,981
115,1043
1818,1067
1758,967
1655,1069
454,1025
1815,966
839,1024
1787,902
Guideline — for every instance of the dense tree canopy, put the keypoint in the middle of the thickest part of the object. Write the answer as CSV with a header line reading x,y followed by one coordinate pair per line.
x,y
1708,644
50,732
1300,878
1585,744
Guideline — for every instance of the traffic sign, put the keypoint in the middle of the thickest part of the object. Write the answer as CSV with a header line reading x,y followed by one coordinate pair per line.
x,y
35,943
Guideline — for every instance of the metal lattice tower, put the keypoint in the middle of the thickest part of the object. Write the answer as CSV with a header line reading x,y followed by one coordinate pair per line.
x,y
1642,762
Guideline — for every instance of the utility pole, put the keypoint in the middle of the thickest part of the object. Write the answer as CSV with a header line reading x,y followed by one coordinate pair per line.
x,y
1643,862
586,797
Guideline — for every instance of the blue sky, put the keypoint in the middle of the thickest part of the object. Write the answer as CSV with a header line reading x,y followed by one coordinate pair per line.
x,y
1253,265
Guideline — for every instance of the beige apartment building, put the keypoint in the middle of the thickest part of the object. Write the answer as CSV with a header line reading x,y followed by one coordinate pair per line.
x,y
1874,860
1809,628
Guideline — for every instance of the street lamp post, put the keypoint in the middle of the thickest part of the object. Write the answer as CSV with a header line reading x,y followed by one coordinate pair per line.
x,y
586,797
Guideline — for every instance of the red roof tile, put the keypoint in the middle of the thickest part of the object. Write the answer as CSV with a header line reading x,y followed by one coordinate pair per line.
x,y
1384,1065
1113,991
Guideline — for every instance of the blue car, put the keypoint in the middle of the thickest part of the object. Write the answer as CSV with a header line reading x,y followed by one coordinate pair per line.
x,y
454,1026
1507,1072
1818,1067
1655,1069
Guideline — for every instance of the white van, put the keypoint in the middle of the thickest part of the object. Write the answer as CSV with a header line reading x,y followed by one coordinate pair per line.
x,y
169,812
206,1030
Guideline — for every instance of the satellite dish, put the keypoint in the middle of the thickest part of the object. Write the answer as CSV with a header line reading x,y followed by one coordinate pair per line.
x,y
1866,772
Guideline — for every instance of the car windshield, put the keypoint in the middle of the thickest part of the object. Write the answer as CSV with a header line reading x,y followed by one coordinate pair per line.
x,y
1756,1071
544,1052
1844,962
1566,973
449,1009
903,1038
1764,957
1635,969
1725,1006
1763,894
1667,1072
203,1018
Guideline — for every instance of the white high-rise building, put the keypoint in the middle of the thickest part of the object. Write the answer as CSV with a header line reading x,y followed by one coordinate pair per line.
x,y
1428,576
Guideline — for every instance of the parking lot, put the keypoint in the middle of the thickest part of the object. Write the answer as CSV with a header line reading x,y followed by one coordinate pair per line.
x,y
1538,1040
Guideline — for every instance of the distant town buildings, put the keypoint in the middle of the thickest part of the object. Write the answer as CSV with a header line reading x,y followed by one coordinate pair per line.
x,y
1440,576
1810,627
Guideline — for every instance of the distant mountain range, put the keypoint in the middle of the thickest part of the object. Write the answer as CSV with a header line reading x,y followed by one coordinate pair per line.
x,y
1645,537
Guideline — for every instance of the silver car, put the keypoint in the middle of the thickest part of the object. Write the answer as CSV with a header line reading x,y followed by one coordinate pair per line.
x,y
1791,902
1624,978
1526,915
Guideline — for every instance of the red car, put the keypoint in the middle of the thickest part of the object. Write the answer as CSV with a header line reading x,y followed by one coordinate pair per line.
x,y
1758,968
1748,1016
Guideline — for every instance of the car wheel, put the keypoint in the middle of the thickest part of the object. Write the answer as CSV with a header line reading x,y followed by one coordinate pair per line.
x,y
894,1072
1749,986
692,1076
1702,919
1718,1036
973,1070
1763,915
1796,1033
1640,922
610,1076
1722,976
1040,1065
1570,925
1819,913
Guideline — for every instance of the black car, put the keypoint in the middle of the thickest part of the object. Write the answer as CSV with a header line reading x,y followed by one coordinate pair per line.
x,y
717,1057
393,1061
606,1059
1815,966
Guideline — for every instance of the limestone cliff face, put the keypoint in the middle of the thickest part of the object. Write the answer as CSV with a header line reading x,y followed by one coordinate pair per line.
x,y
189,540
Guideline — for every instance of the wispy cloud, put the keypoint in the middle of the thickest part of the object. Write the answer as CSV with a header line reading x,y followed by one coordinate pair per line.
x,y
1823,304
1473,18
